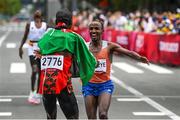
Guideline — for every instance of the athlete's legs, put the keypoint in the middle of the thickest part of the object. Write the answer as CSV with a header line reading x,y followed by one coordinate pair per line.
x,y
49,102
33,97
104,101
34,67
38,72
91,106
68,104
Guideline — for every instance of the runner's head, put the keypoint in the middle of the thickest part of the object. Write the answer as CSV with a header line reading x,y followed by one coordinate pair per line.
x,y
64,18
37,16
95,30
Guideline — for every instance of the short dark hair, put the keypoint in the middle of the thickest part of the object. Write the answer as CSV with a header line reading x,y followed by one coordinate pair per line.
x,y
64,15
37,14
101,21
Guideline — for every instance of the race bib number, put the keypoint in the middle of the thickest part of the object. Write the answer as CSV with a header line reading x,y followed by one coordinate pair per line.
x,y
52,61
102,66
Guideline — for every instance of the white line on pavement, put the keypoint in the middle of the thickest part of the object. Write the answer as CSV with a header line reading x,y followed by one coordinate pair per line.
x,y
114,96
10,45
18,68
5,114
127,68
14,96
129,99
14,45
146,99
156,68
5,100
149,113
4,37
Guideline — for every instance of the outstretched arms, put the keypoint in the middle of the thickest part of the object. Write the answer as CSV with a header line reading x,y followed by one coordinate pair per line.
x,y
132,54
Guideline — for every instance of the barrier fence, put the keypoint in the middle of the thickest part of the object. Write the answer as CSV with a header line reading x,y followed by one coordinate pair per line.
x,y
158,48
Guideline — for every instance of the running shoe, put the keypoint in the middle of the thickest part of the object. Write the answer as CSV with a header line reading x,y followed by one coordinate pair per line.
x,y
34,98
37,97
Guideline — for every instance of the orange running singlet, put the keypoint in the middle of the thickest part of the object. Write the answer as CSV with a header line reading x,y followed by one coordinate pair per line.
x,y
102,72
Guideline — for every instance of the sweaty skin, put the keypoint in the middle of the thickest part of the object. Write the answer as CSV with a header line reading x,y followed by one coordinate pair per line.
x,y
96,94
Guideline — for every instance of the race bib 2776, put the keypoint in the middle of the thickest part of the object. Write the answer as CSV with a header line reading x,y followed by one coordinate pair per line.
x,y
52,61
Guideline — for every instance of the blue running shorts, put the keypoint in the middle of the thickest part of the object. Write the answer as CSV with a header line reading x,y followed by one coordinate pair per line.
x,y
96,89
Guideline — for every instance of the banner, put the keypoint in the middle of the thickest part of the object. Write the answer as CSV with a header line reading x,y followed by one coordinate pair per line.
x,y
140,43
152,48
158,48
84,32
169,47
109,35
122,38
132,40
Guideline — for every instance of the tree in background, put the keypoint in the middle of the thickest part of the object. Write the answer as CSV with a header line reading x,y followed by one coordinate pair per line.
x,y
10,7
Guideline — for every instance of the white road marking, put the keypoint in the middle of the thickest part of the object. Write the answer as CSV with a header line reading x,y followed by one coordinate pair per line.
x,y
5,100
77,95
18,68
10,45
5,114
14,96
4,37
129,99
149,113
156,68
146,99
14,45
127,68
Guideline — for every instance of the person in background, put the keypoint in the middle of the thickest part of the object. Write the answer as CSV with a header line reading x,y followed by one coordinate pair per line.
x,y
59,47
98,92
34,30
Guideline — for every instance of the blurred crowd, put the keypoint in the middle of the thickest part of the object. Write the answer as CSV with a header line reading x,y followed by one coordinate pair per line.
x,y
163,23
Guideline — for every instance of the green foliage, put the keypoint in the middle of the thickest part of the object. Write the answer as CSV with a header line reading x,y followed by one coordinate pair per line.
x,y
10,7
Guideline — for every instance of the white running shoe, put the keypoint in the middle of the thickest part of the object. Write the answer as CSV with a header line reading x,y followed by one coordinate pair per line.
x,y
38,98
33,98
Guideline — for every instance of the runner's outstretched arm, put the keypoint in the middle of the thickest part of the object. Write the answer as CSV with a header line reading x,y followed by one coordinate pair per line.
x,y
132,54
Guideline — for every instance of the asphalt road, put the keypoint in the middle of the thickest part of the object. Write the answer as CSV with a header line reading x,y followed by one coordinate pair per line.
x,y
141,91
